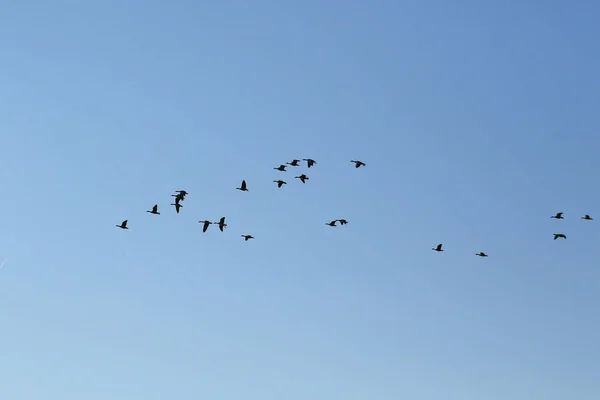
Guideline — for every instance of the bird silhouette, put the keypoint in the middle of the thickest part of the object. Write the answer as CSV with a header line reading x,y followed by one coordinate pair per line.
x,y
294,163
558,216
178,196
247,237
281,168
243,187
342,221
309,162
177,205
280,183
559,235
587,217
481,254
332,223
206,224
123,225
437,248
302,177
154,210
222,224
358,164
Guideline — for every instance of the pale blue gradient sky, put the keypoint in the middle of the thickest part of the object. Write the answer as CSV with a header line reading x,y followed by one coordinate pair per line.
x,y
477,119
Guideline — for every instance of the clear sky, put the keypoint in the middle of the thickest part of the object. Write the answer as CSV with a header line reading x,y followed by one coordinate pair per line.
x,y
478,120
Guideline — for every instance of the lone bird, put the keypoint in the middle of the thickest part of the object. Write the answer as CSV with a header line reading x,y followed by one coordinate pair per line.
x,y
222,224
332,223
358,164
438,248
559,235
281,168
206,224
587,217
123,225
309,162
247,237
154,210
342,221
481,254
558,216
293,163
302,177
280,183
177,205
243,187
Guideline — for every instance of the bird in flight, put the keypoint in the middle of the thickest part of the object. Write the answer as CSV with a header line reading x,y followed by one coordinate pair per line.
x,y
437,248
558,216
587,217
206,224
222,224
247,237
280,183
358,164
177,205
303,178
481,254
281,168
123,225
309,162
559,235
154,210
342,221
294,163
243,187
332,223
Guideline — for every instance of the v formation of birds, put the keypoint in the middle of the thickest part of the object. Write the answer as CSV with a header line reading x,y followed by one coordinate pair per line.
x,y
181,194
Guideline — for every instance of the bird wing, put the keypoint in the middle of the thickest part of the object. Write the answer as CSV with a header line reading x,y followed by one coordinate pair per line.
x,y
206,224
243,184
222,220
124,223
155,208
439,246
221,227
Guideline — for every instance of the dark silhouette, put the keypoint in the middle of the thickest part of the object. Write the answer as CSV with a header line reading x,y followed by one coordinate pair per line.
x,y
332,223
177,205
154,210
221,224
557,216
438,248
243,187
481,254
281,168
342,221
358,164
309,162
247,237
559,235
294,163
123,225
280,183
587,217
303,178
206,224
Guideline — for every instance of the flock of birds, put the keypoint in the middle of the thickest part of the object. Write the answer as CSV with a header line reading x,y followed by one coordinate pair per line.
x,y
181,194
556,235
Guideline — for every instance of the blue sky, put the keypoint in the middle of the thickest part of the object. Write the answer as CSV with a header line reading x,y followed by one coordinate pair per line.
x,y
477,121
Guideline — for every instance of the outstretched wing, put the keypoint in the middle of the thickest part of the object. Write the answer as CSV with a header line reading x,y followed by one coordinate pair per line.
x,y
243,185
155,208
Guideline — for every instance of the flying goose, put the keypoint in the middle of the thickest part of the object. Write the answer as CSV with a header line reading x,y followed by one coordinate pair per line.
x,y
280,168
587,217
294,163
154,210
309,162
123,225
243,187
559,235
358,164
342,221
303,178
438,248
558,216
177,205
481,254
247,237
221,224
206,224
332,223
280,183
